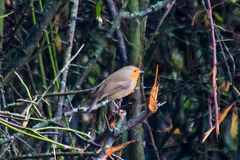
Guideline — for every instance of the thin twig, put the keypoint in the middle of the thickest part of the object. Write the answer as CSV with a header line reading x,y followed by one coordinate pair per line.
x,y
210,112
68,92
47,155
152,139
214,67
162,19
28,93
59,73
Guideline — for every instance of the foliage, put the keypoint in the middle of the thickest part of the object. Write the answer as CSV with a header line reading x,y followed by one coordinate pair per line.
x,y
45,89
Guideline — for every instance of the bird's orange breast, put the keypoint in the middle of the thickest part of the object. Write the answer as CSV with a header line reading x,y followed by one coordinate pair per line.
x,y
134,76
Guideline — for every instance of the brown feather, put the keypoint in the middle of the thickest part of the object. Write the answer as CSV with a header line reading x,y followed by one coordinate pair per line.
x,y
118,85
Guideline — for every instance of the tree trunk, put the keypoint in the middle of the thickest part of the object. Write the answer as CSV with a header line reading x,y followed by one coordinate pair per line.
x,y
136,150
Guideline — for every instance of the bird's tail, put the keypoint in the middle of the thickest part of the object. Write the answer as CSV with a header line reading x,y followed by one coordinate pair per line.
x,y
90,108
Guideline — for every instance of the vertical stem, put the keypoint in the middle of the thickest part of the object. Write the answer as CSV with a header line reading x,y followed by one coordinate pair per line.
x,y
53,46
54,67
39,53
67,55
2,8
69,133
210,111
214,67
40,57
52,59
152,140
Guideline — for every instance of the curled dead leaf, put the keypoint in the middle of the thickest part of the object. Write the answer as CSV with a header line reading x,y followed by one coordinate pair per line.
x,y
221,118
152,106
111,150
234,124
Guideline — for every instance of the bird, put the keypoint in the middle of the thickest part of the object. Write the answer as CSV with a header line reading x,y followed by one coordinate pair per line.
x,y
118,85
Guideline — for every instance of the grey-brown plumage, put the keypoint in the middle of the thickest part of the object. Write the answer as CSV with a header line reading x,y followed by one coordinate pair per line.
x,y
118,85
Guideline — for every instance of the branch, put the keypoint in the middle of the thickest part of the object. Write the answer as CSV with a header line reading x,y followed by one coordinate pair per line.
x,y
153,8
118,33
46,155
45,122
152,140
67,57
214,67
119,130
161,21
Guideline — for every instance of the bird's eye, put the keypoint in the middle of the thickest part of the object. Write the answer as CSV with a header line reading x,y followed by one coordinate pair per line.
x,y
135,70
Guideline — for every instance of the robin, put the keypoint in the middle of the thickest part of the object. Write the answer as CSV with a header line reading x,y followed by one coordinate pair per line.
x,y
118,85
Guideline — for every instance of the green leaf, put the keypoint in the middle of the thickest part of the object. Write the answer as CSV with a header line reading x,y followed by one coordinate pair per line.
x,y
98,70
186,103
98,9
91,80
177,60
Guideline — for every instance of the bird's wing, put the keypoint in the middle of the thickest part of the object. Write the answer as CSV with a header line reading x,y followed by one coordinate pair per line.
x,y
97,87
116,87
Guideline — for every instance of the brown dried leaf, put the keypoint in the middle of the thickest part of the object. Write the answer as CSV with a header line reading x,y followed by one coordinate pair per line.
x,y
26,111
224,113
234,125
221,118
168,129
227,87
236,90
111,150
58,43
153,95
207,134
177,131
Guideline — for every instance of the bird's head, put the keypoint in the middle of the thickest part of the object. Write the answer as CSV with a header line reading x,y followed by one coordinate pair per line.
x,y
132,71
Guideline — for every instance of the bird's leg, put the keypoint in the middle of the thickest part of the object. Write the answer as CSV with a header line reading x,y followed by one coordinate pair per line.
x,y
119,111
115,104
109,127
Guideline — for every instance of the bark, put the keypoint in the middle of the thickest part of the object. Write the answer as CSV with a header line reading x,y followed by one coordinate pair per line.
x,y
136,150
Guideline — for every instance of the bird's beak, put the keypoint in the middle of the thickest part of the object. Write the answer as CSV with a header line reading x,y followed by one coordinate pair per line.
x,y
141,71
